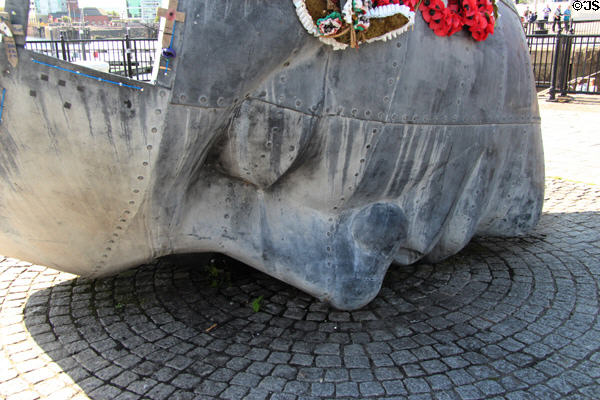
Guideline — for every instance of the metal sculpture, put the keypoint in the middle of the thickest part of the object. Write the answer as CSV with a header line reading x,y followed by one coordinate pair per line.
x,y
318,167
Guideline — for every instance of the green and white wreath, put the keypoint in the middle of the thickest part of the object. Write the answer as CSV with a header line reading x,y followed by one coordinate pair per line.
x,y
344,23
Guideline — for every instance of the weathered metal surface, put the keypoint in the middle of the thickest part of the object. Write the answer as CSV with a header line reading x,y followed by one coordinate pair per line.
x,y
320,168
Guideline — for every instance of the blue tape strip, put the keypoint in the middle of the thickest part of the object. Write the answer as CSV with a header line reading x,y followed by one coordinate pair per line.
x,y
170,45
96,78
2,104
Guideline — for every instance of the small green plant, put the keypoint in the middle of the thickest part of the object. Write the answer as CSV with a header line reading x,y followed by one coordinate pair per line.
x,y
119,306
256,303
218,277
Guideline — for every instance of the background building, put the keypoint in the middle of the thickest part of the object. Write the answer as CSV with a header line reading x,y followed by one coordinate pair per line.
x,y
134,8
149,9
45,7
143,9
94,16
72,6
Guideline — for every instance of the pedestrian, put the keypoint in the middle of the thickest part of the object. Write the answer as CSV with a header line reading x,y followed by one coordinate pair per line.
x,y
547,10
567,18
532,17
557,15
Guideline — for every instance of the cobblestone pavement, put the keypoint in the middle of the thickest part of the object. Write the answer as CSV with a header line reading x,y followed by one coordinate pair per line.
x,y
571,139
505,318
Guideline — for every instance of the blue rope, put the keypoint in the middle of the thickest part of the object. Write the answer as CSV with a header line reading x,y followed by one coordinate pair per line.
x,y
171,46
89,76
2,104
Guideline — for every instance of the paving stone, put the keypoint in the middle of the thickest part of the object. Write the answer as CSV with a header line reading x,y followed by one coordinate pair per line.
x,y
257,354
211,388
246,379
357,362
439,381
460,377
387,373
179,363
416,385
279,357
186,381
543,392
530,376
321,390
490,387
105,392
257,394
510,383
560,385
238,363
141,386
346,389
328,349
272,384
328,361
234,393
413,370
160,391
283,396
222,375
468,392
395,387
433,366
260,368
369,389
302,359
361,375
297,388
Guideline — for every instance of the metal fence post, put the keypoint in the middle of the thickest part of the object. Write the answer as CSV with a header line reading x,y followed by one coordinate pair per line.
x,y
566,64
62,44
128,45
552,91
56,50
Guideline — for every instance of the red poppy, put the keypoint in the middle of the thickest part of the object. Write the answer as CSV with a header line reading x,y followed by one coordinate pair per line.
x,y
433,11
455,23
469,10
411,4
440,27
476,15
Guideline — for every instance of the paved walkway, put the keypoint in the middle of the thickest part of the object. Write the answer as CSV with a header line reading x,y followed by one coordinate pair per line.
x,y
514,318
572,138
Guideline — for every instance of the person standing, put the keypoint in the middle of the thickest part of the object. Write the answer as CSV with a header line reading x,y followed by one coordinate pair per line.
x,y
567,18
557,15
547,10
532,17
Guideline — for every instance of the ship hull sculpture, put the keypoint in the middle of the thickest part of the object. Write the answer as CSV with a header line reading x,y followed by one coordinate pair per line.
x,y
318,167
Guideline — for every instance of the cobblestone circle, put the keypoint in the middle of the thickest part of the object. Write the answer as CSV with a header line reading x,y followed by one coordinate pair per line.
x,y
505,318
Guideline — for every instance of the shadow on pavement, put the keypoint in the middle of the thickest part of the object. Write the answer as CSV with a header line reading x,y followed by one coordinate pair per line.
x,y
503,316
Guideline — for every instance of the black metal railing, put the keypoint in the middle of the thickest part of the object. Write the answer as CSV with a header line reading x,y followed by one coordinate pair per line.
x,y
541,50
566,63
132,58
577,27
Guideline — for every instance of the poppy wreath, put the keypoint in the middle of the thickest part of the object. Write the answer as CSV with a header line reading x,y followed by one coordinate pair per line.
x,y
478,16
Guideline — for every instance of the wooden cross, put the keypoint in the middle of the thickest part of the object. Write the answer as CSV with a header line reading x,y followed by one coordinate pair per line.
x,y
9,43
171,15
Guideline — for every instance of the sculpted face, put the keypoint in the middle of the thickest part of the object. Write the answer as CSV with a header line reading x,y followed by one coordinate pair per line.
x,y
318,167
